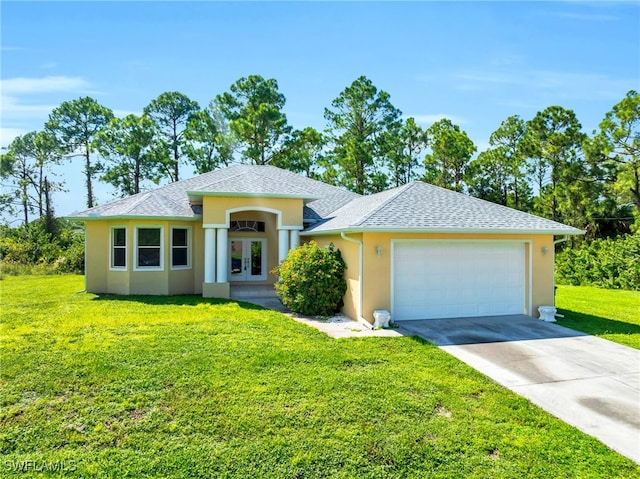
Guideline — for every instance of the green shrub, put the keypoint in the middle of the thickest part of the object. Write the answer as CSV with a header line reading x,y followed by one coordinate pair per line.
x,y
605,263
38,248
311,280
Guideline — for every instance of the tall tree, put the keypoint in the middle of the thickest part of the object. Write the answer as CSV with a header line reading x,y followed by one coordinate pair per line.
x,y
172,111
451,151
406,145
554,144
358,124
499,174
134,151
75,125
210,140
615,150
27,163
509,140
16,167
253,107
487,177
302,152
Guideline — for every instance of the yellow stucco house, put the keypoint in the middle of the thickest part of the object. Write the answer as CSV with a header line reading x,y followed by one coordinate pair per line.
x,y
418,251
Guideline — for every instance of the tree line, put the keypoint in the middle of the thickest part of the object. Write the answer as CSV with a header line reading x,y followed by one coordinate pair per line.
x,y
545,165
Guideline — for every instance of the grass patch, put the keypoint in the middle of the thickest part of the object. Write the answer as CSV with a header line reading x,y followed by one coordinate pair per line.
x,y
177,387
20,269
612,314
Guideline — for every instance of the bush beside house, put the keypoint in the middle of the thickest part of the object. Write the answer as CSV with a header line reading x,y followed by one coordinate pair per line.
x,y
605,263
42,248
311,280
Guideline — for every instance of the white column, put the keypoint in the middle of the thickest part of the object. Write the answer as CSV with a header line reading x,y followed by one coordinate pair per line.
x,y
209,255
283,244
223,253
295,239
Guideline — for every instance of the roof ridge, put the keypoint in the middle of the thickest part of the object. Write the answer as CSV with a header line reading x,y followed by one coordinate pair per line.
x,y
133,201
227,178
173,201
398,190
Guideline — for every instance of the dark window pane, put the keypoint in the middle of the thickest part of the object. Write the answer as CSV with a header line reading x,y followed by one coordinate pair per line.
x,y
256,258
119,237
179,237
148,256
247,225
119,257
180,257
149,237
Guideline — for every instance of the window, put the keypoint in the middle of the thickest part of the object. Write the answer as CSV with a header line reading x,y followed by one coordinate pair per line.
x,y
247,225
149,248
118,248
180,257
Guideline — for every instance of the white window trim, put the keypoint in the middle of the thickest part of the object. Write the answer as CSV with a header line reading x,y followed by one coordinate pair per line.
x,y
188,265
112,246
135,248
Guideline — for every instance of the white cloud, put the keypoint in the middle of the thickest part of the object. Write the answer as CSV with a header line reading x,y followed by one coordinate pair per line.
x,y
17,86
595,17
429,119
29,101
49,65
13,109
8,134
563,85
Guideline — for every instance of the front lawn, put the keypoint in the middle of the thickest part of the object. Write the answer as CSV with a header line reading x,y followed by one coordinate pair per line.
x,y
608,313
184,387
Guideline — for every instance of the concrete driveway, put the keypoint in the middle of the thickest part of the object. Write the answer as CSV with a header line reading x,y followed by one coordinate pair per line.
x,y
590,383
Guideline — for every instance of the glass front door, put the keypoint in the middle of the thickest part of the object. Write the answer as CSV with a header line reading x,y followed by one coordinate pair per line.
x,y
247,259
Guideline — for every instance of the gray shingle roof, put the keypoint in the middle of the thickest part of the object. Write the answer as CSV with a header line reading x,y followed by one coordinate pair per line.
x,y
423,207
173,200
416,206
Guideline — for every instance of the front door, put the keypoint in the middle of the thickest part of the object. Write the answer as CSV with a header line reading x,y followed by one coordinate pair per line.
x,y
248,259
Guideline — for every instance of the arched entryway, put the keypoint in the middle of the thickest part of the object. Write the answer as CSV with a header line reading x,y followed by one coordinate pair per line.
x,y
244,250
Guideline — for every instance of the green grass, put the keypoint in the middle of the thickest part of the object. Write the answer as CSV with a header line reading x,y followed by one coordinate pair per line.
x,y
185,387
608,313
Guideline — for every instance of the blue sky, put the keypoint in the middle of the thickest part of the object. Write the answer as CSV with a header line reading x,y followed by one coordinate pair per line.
x,y
474,62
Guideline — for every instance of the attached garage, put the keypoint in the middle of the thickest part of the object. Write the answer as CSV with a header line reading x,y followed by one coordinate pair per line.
x,y
452,279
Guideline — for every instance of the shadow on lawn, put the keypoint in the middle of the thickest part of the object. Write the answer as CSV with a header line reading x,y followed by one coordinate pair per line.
x,y
175,300
595,325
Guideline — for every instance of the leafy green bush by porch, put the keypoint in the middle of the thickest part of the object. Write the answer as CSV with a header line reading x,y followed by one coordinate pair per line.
x,y
311,280
605,263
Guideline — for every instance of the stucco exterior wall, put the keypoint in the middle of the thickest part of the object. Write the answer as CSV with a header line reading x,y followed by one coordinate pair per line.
x,y
351,255
96,256
198,257
376,286
101,278
214,208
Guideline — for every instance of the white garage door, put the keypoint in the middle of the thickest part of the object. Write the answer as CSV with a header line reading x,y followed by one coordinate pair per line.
x,y
458,279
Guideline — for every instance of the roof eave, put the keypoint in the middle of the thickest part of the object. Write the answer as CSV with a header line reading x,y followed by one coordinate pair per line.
x,y
201,194
492,231
132,217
